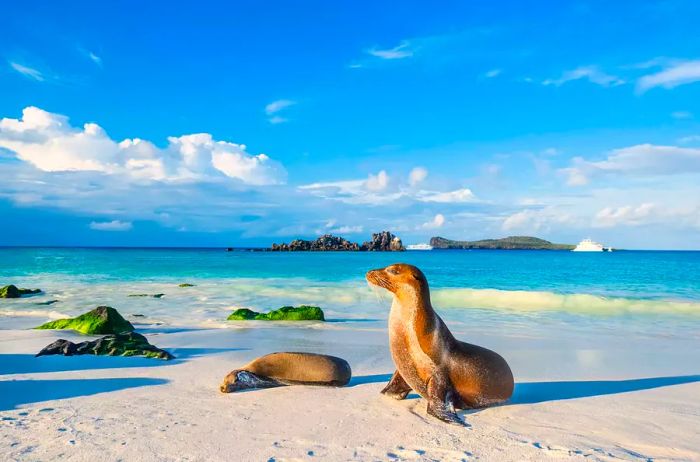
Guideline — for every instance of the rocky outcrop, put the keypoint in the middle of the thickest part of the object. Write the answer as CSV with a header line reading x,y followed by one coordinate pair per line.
x,y
100,321
384,241
124,344
12,291
286,313
506,243
324,243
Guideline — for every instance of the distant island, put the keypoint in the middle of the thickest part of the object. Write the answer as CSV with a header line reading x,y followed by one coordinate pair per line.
x,y
381,242
506,243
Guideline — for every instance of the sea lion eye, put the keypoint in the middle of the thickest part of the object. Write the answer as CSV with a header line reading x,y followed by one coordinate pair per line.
x,y
392,270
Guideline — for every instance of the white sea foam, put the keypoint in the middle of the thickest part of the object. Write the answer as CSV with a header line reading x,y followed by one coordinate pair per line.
x,y
34,314
210,301
521,300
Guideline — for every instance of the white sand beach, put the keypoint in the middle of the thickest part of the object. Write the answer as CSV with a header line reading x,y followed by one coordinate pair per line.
x,y
608,397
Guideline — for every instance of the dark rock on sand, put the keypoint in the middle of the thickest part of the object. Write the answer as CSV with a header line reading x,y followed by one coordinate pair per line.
x,y
12,291
286,313
102,320
124,344
185,284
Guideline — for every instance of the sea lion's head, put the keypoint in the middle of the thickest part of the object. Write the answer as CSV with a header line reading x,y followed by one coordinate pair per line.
x,y
398,278
241,379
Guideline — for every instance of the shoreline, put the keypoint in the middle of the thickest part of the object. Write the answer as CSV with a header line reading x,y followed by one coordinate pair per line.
x,y
607,404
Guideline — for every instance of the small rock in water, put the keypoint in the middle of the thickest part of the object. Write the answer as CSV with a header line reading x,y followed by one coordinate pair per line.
x,y
286,313
47,302
12,291
147,295
185,284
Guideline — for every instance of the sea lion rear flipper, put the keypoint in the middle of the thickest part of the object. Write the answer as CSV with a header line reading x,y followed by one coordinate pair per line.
x,y
397,387
441,399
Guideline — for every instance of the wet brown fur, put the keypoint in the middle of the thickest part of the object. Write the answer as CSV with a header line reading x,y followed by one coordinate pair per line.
x,y
429,360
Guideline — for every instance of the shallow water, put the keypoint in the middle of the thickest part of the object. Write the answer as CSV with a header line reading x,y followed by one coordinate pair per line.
x,y
656,293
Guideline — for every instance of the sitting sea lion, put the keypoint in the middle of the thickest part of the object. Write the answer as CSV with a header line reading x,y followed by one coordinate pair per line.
x,y
278,369
448,373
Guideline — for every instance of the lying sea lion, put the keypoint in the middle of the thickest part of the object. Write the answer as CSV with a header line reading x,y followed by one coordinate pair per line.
x,y
278,369
448,373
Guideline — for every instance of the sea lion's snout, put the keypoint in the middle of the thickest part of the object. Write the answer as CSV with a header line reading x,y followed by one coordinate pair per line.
x,y
232,383
379,278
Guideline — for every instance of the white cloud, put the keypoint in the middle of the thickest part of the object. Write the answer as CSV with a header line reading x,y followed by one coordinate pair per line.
x,y
379,189
346,229
278,105
591,73
627,215
235,163
275,107
95,59
535,220
639,160
331,228
457,196
680,115
114,225
277,120
437,222
27,71
371,191
493,73
377,182
689,139
48,142
400,51
675,74
417,176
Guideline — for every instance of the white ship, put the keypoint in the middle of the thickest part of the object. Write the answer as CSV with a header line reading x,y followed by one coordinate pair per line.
x,y
419,247
587,245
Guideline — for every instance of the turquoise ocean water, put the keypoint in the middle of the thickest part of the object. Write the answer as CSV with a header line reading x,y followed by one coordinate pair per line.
x,y
652,290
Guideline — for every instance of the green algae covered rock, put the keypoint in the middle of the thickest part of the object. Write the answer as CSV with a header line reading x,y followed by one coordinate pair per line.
x,y
102,320
12,291
286,313
185,284
124,344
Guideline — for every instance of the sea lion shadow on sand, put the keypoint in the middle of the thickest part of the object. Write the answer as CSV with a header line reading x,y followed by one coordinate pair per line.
x,y
543,392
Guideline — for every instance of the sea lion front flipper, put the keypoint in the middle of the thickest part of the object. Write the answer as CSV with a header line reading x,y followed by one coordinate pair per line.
x,y
397,387
441,399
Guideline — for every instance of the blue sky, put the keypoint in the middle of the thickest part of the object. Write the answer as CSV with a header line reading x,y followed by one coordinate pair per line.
x,y
253,122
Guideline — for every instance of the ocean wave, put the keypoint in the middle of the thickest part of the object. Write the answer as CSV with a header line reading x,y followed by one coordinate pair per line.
x,y
536,301
466,298
34,314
